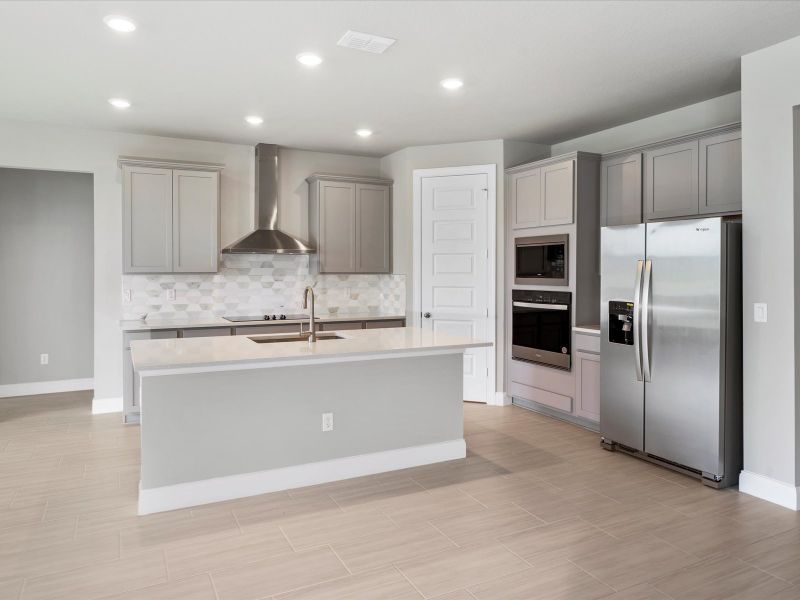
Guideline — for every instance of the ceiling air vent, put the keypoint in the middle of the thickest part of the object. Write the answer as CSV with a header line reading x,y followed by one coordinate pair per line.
x,y
366,42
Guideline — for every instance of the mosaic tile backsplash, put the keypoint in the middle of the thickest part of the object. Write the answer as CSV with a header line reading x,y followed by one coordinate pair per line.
x,y
254,284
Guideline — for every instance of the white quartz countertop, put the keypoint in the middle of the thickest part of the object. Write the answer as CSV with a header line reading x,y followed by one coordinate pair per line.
x,y
236,351
587,329
155,323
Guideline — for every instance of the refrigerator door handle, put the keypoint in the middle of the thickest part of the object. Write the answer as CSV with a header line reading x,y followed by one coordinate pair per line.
x,y
645,329
637,317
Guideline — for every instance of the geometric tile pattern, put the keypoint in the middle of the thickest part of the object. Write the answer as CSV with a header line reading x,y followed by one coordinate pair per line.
x,y
260,284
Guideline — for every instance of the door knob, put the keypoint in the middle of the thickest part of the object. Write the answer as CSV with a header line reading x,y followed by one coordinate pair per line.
x,y
427,315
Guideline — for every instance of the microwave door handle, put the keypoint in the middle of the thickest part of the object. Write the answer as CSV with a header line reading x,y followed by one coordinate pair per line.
x,y
646,294
637,315
542,306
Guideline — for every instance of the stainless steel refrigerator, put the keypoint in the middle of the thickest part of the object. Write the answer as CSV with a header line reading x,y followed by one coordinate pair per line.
x,y
671,350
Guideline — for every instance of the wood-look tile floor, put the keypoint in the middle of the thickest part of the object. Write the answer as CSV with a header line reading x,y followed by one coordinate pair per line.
x,y
536,511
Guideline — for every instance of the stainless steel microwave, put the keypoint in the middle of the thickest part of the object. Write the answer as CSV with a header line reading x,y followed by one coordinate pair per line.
x,y
541,260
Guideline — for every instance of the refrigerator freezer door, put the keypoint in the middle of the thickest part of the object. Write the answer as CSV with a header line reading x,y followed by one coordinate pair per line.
x,y
682,397
621,391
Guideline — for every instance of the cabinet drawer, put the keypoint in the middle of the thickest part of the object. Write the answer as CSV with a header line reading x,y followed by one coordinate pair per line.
x,y
385,324
206,332
266,329
551,399
341,325
587,343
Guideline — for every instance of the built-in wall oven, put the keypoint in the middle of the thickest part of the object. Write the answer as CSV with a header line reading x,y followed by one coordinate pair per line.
x,y
541,260
541,327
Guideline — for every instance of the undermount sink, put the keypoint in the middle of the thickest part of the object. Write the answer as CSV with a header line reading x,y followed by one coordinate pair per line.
x,y
303,337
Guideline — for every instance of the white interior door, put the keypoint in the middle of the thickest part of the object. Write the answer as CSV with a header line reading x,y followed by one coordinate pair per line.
x,y
454,278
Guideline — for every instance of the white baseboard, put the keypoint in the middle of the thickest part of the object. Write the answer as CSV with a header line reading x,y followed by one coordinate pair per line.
x,y
45,387
206,491
101,406
500,399
770,489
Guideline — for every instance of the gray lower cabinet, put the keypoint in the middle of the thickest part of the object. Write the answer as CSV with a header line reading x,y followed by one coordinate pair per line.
x,y
341,325
385,324
350,223
587,385
621,190
205,332
130,383
170,216
265,329
671,181
721,173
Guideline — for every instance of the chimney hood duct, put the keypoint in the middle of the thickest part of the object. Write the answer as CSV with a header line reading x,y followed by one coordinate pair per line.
x,y
268,239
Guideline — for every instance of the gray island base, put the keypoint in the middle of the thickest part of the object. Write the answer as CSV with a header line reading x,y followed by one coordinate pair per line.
x,y
213,432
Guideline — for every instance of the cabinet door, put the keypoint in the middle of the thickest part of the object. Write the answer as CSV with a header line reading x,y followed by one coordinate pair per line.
x,y
385,324
587,386
526,198
267,329
670,181
130,382
721,173
147,220
341,325
373,229
337,223
557,193
206,332
195,218
621,190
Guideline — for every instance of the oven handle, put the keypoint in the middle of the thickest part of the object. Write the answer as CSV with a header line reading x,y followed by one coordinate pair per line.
x,y
542,306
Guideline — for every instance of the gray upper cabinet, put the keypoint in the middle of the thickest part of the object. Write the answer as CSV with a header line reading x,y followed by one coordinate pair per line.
x,y
621,190
147,219
373,229
558,193
170,216
526,198
195,221
721,173
350,223
671,181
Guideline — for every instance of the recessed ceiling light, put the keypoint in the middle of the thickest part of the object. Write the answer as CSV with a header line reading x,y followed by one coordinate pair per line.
x,y
365,133
119,23
451,83
254,119
119,103
309,59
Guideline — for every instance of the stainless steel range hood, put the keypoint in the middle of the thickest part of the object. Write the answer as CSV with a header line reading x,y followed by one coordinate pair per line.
x,y
268,239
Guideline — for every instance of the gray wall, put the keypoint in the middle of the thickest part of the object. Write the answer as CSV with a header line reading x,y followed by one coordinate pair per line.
x,y
46,270
688,119
770,91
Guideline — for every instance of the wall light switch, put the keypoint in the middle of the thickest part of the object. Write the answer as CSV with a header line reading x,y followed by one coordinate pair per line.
x,y
327,421
44,359
171,294
760,312
127,296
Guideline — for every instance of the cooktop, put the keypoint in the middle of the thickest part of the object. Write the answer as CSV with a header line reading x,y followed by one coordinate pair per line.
x,y
280,317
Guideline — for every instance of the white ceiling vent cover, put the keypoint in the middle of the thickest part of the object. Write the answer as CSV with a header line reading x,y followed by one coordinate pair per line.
x,y
365,41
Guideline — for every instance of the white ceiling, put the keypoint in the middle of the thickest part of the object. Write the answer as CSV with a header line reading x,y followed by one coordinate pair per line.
x,y
536,71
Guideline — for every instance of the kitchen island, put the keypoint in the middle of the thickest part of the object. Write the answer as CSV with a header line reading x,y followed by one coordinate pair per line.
x,y
229,417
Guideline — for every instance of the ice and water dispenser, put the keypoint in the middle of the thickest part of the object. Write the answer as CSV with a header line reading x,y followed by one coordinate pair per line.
x,y
620,322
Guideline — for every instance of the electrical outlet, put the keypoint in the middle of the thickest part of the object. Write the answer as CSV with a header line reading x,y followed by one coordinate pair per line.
x,y
44,359
171,294
127,296
327,421
760,312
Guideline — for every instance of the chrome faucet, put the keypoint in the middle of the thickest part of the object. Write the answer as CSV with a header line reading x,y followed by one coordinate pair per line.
x,y
312,334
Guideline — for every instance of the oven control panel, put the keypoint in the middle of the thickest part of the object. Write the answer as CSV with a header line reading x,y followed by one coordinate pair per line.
x,y
541,297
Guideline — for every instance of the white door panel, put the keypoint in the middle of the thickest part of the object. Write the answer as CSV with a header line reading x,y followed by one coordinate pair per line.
x,y
454,268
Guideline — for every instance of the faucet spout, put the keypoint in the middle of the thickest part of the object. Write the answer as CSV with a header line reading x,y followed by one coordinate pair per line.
x,y
312,333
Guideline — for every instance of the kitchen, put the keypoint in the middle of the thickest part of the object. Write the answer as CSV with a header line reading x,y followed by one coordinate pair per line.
x,y
408,345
